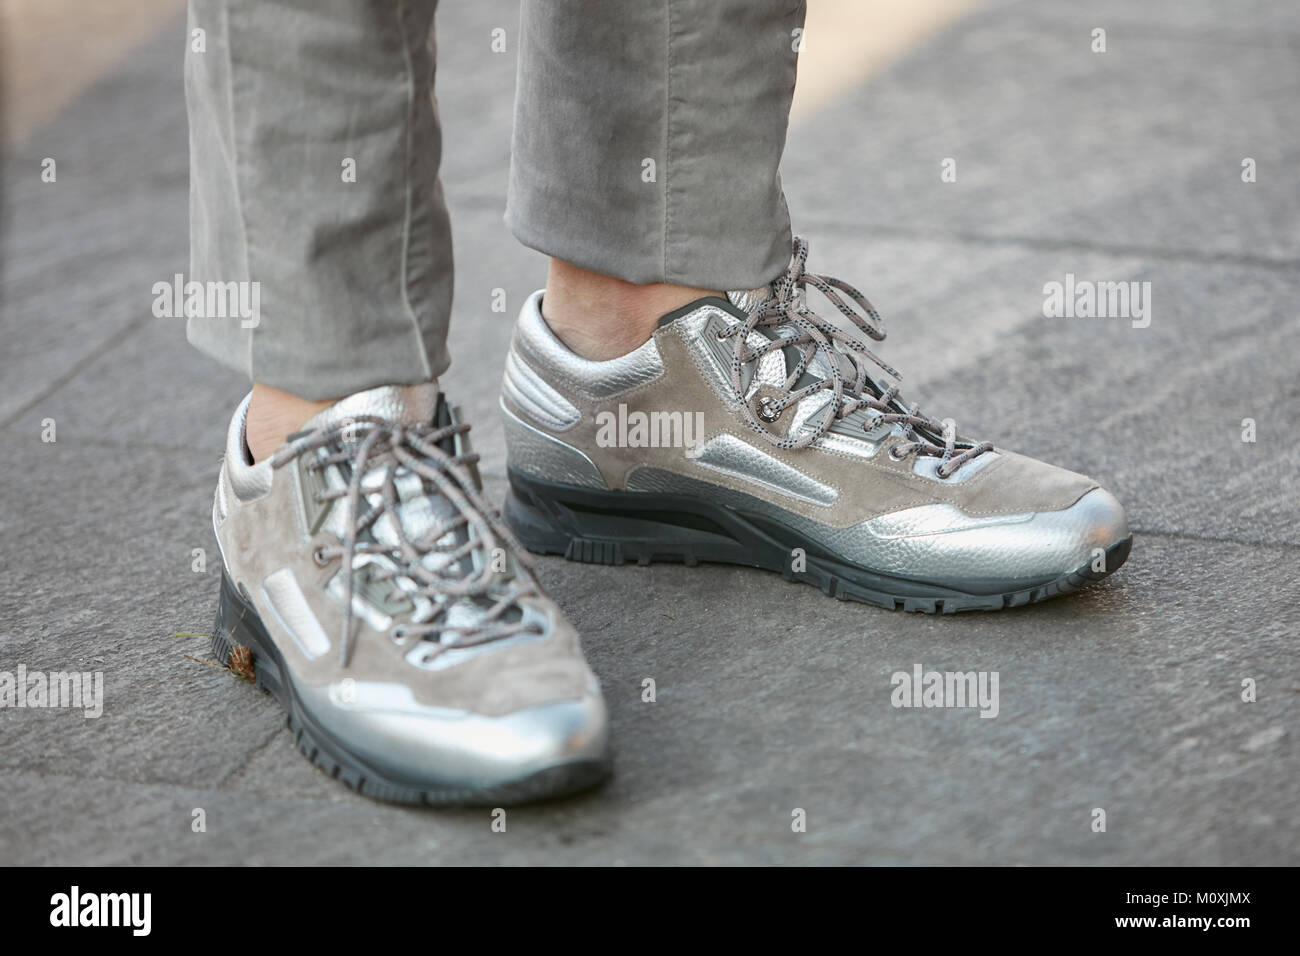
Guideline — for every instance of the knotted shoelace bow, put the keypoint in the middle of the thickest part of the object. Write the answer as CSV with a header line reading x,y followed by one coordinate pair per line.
x,y
359,442
787,306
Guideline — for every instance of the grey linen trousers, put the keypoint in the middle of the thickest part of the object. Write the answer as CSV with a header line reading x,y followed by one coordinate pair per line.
x,y
647,140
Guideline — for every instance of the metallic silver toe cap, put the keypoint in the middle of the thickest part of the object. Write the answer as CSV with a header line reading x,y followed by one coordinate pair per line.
x,y
995,552
441,747
1102,517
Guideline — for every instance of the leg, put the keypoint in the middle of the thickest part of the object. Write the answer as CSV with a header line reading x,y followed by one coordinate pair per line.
x,y
315,147
646,145
743,427
365,582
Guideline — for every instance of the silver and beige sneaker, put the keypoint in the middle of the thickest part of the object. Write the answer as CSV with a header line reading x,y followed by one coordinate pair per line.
x,y
752,431
393,616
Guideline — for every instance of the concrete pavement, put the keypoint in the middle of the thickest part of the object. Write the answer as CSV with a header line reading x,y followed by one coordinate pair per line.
x,y
1117,166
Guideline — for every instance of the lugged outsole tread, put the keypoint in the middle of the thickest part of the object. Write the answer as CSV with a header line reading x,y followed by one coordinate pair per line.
x,y
847,591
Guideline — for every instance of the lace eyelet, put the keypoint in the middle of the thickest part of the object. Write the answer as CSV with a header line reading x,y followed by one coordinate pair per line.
x,y
893,456
942,475
766,410
318,558
399,635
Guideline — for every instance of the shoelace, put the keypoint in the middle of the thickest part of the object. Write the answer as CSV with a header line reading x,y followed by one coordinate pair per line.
x,y
787,305
364,438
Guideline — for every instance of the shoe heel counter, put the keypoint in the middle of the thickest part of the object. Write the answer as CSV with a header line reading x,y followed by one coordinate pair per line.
x,y
533,412
534,398
532,451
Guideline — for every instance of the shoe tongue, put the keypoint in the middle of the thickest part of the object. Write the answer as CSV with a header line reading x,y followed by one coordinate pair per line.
x,y
400,404
818,368
418,510
750,299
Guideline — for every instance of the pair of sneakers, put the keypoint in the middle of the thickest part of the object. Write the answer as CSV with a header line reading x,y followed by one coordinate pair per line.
x,y
394,614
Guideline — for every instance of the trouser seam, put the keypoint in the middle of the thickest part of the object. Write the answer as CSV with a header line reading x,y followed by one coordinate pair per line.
x,y
668,132
402,9
234,171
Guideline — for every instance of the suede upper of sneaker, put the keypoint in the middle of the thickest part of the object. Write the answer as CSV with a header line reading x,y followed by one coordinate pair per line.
x,y
490,642
755,405
842,479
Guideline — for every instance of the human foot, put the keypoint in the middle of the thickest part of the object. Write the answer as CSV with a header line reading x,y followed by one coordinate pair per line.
x,y
273,415
600,317
751,431
391,614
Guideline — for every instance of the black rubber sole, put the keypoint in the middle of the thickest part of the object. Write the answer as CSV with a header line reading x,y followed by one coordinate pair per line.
x,y
615,527
238,625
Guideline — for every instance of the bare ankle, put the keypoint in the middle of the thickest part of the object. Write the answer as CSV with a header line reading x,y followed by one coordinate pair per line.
x,y
274,415
600,317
